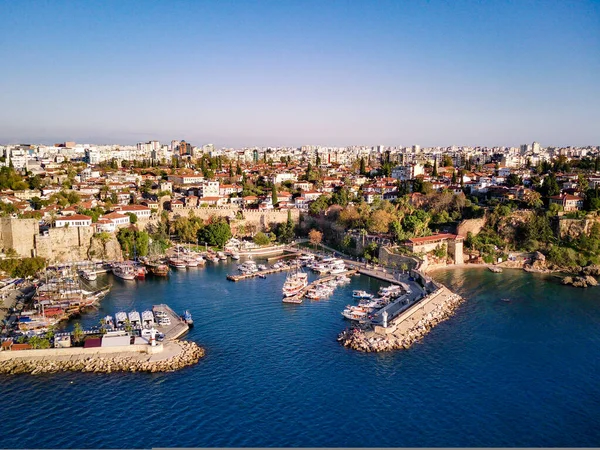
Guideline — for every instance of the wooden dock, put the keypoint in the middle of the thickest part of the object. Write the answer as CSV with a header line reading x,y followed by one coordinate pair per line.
x,y
256,274
300,295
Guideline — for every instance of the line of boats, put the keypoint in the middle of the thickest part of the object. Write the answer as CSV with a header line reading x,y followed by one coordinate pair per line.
x,y
369,304
148,319
58,298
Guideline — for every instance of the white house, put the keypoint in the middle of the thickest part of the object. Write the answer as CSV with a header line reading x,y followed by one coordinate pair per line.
x,y
142,212
105,225
120,220
76,220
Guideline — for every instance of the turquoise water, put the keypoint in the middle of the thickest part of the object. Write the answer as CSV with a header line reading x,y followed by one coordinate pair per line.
x,y
518,373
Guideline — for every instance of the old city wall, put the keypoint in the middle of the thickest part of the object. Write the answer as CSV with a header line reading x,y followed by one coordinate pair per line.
x,y
18,234
64,244
251,219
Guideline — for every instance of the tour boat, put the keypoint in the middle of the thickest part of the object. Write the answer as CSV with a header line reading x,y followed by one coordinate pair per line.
x,y
191,262
158,269
134,319
124,271
294,283
89,275
392,290
120,319
374,303
148,319
235,256
355,315
361,294
178,263
187,316
140,272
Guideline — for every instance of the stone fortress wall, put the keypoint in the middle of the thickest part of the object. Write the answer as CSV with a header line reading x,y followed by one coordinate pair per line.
x,y
259,220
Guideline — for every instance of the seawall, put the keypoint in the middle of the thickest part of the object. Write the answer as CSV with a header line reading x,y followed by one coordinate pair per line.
x,y
168,357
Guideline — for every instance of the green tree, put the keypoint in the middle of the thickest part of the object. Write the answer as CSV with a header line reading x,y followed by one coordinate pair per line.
x,y
216,234
274,195
319,205
78,333
261,239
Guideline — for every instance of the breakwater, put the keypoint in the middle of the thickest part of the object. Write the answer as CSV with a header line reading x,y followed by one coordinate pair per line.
x,y
407,328
175,356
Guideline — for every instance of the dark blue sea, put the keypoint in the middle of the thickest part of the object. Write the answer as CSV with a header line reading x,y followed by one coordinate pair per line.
x,y
518,373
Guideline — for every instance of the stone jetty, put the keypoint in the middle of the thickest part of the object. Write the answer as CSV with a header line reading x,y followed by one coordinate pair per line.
x,y
409,327
176,355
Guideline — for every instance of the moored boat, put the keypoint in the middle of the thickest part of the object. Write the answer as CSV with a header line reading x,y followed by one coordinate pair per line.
x,y
88,275
124,271
294,283
187,317
361,294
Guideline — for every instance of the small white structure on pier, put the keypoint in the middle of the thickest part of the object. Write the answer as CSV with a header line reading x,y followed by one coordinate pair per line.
x,y
385,318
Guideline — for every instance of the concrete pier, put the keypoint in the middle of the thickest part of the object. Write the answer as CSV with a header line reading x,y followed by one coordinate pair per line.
x,y
256,274
409,326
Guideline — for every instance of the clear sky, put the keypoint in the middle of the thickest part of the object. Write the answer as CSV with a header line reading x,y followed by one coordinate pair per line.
x,y
245,73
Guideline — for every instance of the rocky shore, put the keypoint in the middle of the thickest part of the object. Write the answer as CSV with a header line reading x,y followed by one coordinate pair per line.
x,y
367,340
189,354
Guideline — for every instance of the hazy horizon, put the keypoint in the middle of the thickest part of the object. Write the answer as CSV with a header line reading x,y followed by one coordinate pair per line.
x,y
301,73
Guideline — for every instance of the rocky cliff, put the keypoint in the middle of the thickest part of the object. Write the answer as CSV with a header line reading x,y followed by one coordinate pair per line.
x,y
105,246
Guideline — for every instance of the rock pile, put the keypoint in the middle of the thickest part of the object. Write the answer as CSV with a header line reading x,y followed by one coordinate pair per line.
x,y
583,281
190,354
368,341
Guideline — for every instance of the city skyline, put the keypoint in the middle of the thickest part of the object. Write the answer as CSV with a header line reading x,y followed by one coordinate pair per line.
x,y
266,74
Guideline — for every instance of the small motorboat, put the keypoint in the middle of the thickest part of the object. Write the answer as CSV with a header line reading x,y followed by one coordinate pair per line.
x,y
262,275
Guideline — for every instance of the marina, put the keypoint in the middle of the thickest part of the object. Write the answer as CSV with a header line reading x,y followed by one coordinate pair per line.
x,y
245,353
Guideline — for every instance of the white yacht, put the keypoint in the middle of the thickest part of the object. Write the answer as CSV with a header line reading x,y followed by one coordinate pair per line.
x,y
294,283
120,319
134,319
361,294
148,319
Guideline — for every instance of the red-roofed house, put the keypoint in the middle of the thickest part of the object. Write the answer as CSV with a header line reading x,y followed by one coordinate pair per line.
x,y
454,243
76,220
120,220
568,202
142,212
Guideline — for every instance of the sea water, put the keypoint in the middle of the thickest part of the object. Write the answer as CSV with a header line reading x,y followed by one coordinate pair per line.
x,y
498,373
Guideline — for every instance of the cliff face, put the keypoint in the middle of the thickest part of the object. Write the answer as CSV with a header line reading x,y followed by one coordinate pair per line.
x,y
573,228
105,247
472,226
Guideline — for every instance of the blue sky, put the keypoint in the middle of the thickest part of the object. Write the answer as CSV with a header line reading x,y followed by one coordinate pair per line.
x,y
245,73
